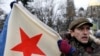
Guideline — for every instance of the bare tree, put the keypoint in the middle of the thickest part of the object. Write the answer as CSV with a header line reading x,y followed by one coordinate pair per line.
x,y
70,12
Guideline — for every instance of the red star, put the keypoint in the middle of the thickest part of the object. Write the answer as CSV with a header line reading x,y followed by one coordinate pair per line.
x,y
28,45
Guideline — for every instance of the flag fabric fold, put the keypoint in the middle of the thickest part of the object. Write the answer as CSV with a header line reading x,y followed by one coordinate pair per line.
x,y
28,36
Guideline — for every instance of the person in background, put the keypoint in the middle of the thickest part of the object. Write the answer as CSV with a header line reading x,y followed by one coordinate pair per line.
x,y
97,34
77,41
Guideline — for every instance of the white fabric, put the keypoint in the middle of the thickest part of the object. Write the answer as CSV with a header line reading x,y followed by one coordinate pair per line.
x,y
31,25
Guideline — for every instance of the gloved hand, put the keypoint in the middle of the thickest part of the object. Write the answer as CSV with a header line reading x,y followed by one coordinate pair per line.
x,y
65,47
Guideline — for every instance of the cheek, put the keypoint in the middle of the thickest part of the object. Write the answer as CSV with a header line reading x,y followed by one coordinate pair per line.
x,y
77,35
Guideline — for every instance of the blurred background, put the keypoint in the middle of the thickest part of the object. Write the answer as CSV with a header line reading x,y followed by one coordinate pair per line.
x,y
57,13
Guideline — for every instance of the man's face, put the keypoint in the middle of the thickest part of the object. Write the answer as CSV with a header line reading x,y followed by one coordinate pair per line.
x,y
82,33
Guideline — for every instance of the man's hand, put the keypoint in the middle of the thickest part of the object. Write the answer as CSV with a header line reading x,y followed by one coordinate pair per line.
x,y
65,47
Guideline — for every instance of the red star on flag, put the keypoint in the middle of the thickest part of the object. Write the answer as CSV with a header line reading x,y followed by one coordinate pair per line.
x,y
28,45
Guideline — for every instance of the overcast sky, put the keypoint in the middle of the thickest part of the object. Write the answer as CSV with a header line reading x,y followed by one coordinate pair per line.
x,y
81,3
5,5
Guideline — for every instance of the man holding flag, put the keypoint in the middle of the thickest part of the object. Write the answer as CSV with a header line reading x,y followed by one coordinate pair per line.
x,y
79,41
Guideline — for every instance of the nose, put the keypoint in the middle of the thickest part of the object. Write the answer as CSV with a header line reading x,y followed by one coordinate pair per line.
x,y
86,31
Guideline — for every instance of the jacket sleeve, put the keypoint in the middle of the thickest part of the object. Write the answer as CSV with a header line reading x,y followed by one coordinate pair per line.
x,y
65,47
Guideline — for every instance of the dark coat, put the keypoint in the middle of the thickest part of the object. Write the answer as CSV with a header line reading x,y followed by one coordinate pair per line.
x,y
89,49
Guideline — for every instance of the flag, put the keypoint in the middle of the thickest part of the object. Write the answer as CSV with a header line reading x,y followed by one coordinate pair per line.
x,y
28,36
3,35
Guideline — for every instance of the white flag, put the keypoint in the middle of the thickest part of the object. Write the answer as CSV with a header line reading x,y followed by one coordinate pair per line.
x,y
28,36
